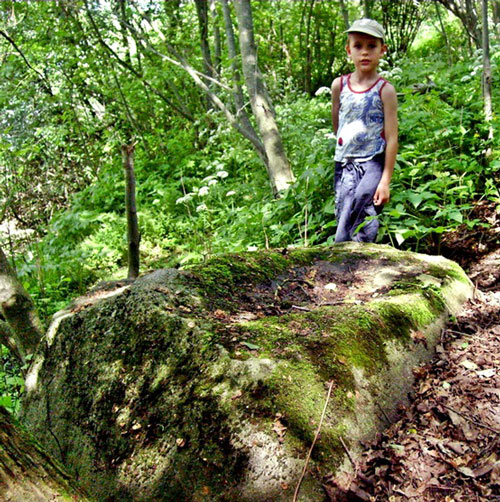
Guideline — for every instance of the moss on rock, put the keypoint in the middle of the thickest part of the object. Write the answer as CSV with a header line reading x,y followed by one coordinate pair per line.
x,y
205,385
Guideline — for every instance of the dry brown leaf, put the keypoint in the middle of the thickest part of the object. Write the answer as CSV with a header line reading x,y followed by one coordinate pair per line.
x,y
237,394
470,365
495,475
420,372
488,465
419,337
466,471
220,314
487,373
279,428
457,447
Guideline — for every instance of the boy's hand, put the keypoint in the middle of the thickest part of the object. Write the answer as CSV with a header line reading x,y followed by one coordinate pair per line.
x,y
382,194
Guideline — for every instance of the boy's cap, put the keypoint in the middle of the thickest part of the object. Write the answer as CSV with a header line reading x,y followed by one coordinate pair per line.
x,y
368,26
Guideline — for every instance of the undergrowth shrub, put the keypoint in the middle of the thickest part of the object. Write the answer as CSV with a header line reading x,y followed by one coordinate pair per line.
x,y
204,190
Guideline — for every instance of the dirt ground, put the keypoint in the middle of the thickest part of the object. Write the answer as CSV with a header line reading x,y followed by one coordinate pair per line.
x,y
446,444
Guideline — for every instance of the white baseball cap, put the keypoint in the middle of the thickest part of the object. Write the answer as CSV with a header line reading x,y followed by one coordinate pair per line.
x,y
368,26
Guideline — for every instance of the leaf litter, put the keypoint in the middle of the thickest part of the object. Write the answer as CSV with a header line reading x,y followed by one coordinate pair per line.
x,y
445,446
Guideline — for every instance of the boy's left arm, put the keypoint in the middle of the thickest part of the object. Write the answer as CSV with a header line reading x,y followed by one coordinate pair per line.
x,y
390,102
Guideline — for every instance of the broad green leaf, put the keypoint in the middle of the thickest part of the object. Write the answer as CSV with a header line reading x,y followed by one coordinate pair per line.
x,y
250,345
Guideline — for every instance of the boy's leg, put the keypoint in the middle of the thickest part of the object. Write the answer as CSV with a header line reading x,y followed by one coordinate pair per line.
x,y
345,186
363,206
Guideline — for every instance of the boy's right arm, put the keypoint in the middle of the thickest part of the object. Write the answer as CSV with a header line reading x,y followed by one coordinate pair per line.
x,y
336,103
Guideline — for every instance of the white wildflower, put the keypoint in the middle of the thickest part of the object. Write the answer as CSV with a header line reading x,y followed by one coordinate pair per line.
x,y
222,174
186,198
212,182
201,207
252,248
203,191
231,192
322,90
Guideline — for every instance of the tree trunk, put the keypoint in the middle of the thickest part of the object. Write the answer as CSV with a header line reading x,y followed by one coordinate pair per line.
x,y
120,8
496,17
445,34
345,14
17,308
308,54
401,21
133,235
277,164
202,12
217,40
8,339
27,473
239,100
488,107
466,12
367,8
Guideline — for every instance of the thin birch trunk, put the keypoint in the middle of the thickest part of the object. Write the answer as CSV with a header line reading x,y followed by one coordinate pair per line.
x,y
239,100
133,235
278,167
308,55
367,8
488,107
445,34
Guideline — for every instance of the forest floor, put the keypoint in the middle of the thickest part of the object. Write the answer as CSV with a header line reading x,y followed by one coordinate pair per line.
x,y
445,446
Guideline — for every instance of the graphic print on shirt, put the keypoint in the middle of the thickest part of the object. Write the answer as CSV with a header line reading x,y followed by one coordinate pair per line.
x,y
361,123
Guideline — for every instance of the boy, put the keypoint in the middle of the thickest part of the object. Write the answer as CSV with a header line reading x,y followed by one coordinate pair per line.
x,y
364,116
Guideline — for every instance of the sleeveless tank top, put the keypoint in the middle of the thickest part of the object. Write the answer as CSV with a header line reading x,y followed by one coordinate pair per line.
x,y
360,134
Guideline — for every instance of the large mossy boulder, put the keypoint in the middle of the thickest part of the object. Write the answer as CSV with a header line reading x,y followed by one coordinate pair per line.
x,y
209,384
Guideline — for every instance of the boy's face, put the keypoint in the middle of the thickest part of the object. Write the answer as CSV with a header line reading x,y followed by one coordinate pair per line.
x,y
365,51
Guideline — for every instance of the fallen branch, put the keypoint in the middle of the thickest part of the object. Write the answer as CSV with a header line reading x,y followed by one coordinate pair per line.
x,y
329,304
384,413
323,304
296,494
298,307
348,454
357,474
471,420
460,332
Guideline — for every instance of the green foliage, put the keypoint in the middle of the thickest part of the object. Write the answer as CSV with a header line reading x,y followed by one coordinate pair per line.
x,y
11,383
441,167
194,203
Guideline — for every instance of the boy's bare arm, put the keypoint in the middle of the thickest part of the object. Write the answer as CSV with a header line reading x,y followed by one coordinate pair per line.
x,y
390,102
335,104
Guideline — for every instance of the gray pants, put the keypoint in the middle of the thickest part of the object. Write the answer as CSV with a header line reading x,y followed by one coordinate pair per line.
x,y
355,186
